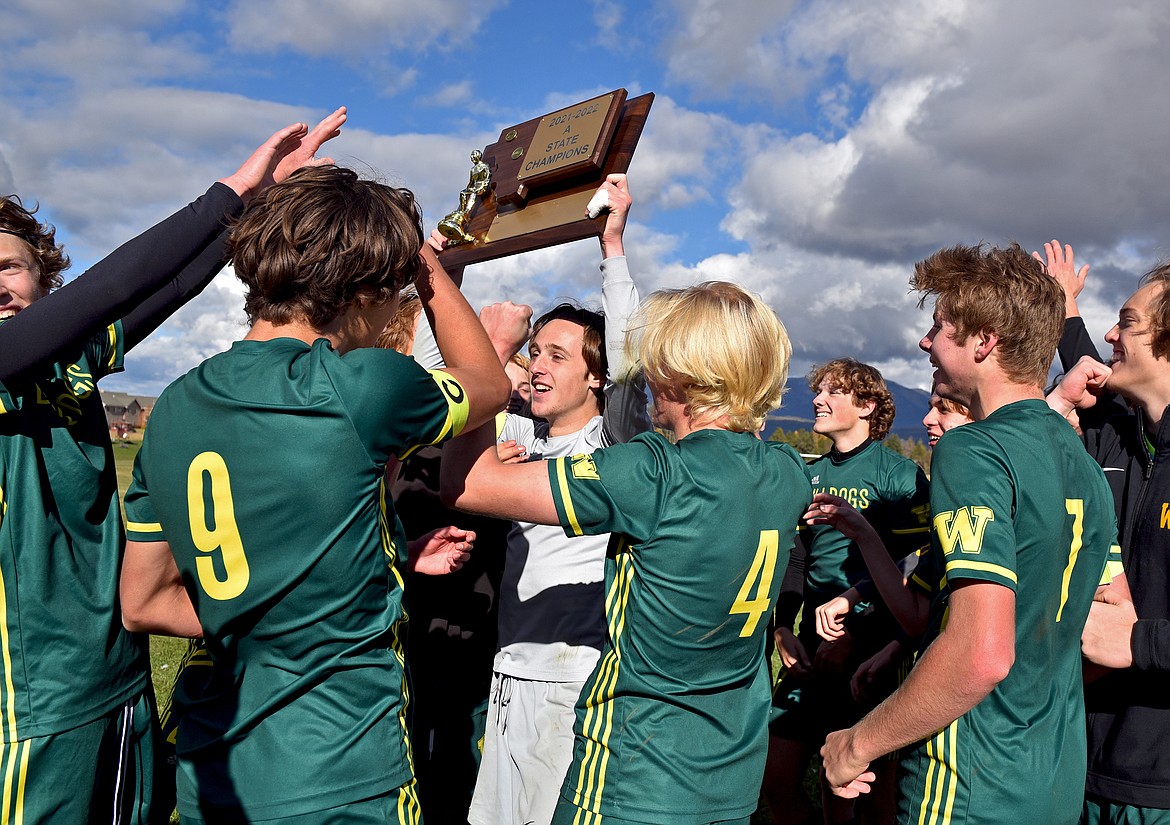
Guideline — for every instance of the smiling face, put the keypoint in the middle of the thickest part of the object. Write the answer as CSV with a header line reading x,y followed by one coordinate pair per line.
x,y
951,359
563,389
20,277
837,415
941,417
521,386
1135,367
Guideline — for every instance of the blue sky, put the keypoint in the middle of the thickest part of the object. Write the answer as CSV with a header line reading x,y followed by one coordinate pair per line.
x,y
811,151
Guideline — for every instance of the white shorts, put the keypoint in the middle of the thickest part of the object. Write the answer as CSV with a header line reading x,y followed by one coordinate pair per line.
x,y
527,749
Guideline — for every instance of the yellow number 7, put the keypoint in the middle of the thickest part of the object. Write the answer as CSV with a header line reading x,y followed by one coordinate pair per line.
x,y
763,567
1075,508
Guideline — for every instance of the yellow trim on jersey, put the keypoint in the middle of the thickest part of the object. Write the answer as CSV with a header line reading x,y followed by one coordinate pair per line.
x,y
143,526
906,531
984,566
457,410
597,726
112,334
15,752
566,497
409,806
942,777
1113,569
9,688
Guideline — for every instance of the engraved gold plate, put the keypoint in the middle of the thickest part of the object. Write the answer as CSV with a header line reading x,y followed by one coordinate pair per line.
x,y
539,216
518,152
511,136
566,137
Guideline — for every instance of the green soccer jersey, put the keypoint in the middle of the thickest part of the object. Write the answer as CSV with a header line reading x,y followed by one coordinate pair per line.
x,y
66,659
888,489
1017,502
673,720
263,469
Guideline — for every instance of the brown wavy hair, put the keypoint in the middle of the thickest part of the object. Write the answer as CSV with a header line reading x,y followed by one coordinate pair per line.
x,y
592,340
41,238
866,384
1160,310
311,246
1003,290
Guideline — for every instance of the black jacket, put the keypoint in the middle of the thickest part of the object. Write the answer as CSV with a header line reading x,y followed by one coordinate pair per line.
x,y
1129,710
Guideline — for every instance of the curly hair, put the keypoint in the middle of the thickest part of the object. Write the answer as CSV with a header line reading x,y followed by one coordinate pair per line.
x,y
41,238
1000,290
866,384
313,245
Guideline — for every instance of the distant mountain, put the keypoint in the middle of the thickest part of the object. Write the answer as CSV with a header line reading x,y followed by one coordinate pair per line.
x,y
797,414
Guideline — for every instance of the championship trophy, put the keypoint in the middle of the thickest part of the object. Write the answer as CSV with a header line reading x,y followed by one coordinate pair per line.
x,y
531,188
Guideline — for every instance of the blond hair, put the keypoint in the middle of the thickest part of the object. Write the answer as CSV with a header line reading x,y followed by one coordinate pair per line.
x,y
722,348
399,332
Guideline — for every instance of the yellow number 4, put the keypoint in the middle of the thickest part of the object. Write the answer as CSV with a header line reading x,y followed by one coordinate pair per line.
x,y
224,535
760,573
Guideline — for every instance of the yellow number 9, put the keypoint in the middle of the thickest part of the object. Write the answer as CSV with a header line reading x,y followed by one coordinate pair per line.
x,y
223,536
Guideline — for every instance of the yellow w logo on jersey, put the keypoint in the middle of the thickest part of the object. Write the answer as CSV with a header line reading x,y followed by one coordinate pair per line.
x,y
963,527
584,467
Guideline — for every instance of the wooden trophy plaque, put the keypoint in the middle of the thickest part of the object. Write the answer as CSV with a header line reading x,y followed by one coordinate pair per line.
x,y
543,173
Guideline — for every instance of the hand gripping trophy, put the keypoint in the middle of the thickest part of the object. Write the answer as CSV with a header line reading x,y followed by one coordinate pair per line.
x,y
454,226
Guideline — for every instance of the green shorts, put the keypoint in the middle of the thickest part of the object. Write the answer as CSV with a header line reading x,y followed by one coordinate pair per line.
x,y
569,814
100,771
399,807
1103,812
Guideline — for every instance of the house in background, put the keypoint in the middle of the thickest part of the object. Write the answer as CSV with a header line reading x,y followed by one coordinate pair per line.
x,y
126,413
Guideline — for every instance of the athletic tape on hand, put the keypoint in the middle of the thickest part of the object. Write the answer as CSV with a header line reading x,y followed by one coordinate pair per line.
x,y
597,203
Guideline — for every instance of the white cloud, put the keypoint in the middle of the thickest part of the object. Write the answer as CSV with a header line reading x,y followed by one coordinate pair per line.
x,y
346,27
207,325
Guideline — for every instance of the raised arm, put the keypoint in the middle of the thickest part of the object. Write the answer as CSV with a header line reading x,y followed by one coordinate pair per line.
x,y
467,352
626,409
271,163
1060,263
172,257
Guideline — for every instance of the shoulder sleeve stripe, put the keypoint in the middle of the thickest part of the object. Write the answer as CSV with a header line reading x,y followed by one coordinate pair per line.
x,y
909,531
983,567
112,335
457,411
566,496
143,527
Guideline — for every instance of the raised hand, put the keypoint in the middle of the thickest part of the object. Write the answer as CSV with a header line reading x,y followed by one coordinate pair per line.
x,y
1062,267
617,190
508,326
282,154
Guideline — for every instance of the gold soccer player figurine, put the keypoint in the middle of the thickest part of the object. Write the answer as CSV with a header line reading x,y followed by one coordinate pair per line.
x,y
454,226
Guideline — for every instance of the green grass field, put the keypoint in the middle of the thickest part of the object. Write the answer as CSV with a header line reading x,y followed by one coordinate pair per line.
x,y
165,651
